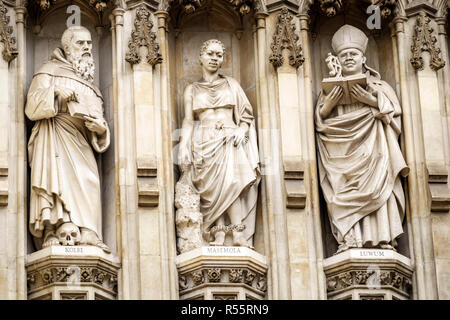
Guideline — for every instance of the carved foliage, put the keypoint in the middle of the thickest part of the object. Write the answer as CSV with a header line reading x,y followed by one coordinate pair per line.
x,y
72,275
373,278
9,51
219,276
286,38
142,36
330,7
387,7
424,40
98,5
242,6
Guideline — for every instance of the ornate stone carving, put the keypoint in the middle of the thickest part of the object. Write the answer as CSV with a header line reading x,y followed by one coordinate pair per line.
x,y
236,275
143,36
188,216
197,277
331,7
68,274
246,276
286,38
424,40
72,96
387,7
214,274
242,6
359,278
68,234
98,5
210,171
9,51
352,83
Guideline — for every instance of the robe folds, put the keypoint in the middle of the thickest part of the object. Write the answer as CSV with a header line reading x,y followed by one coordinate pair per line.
x,y
65,183
360,165
222,173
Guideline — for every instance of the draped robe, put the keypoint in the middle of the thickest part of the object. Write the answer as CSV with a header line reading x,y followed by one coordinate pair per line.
x,y
65,184
360,164
222,172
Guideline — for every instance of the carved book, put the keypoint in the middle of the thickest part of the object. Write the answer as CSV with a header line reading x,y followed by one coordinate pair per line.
x,y
346,83
90,106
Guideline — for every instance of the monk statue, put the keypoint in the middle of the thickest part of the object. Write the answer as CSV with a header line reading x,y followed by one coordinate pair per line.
x,y
358,123
218,152
67,108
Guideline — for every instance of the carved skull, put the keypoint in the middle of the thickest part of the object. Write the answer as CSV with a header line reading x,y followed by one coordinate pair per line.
x,y
68,234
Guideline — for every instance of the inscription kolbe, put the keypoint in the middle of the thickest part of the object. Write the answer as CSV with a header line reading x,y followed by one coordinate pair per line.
x,y
73,250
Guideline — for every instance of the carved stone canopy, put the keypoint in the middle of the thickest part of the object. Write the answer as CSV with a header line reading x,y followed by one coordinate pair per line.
x,y
424,40
98,5
286,38
9,51
143,36
242,6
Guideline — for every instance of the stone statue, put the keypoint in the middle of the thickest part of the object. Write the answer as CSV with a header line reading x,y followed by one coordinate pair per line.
x,y
218,152
360,161
68,110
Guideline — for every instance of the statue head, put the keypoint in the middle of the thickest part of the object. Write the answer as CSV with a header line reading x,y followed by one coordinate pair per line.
x,y
76,42
211,55
349,44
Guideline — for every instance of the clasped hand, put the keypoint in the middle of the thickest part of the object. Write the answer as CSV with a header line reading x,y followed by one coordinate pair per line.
x,y
66,93
364,96
95,125
240,136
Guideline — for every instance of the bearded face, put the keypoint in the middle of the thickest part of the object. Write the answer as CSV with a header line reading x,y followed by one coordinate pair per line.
x,y
79,53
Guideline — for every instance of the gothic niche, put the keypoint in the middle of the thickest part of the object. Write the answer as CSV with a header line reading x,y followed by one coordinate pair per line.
x,y
61,214
216,205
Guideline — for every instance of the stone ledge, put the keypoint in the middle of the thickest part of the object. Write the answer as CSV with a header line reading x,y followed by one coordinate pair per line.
x,y
208,272
363,274
72,272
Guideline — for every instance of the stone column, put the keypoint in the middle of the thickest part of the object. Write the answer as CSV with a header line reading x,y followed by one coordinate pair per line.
x,y
312,207
169,289
274,214
418,215
12,153
128,241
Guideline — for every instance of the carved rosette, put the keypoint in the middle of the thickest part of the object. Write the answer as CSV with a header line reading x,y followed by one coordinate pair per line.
x,y
369,278
424,40
223,276
330,7
142,36
70,275
64,270
368,273
9,50
286,38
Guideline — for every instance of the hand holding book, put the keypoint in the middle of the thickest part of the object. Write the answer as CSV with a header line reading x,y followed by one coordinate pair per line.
x,y
364,96
331,100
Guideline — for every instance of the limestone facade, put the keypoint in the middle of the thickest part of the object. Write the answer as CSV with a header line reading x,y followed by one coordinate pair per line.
x,y
146,53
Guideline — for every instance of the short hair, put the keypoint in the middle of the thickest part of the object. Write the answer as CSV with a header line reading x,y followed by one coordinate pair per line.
x,y
68,34
211,41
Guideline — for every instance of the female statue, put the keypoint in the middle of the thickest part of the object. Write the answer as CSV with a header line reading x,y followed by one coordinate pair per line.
x,y
218,151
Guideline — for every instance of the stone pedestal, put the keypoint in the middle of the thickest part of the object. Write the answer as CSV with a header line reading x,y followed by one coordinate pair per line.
x,y
368,274
72,273
222,273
